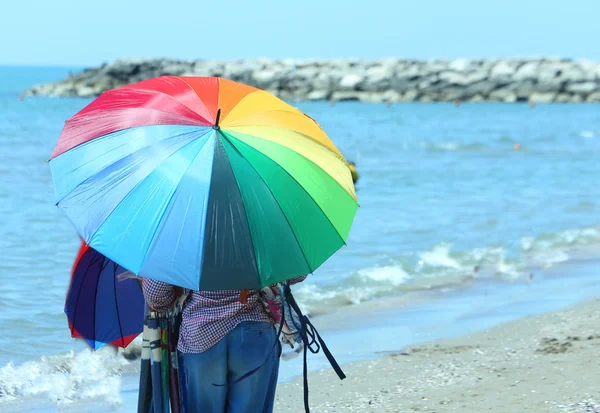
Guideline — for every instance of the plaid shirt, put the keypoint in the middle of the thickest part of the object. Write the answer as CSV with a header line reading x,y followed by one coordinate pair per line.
x,y
208,316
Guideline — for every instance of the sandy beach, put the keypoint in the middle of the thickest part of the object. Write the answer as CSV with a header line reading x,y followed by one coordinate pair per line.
x,y
543,363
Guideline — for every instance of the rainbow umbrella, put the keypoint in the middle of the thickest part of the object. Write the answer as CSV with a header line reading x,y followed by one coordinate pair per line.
x,y
203,183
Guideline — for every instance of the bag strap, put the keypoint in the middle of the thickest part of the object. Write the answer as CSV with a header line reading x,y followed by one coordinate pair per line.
x,y
308,331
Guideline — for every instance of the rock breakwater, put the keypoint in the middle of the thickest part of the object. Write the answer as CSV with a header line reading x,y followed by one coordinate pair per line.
x,y
503,80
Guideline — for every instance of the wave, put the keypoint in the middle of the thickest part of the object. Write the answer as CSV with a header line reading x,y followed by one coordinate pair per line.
x,y
587,134
442,267
451,146
64,379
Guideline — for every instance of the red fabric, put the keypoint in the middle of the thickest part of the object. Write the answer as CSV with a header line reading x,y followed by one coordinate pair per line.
x,y
124,342
208,88
187,91
82,129
166,100
82,250
128,97
74,333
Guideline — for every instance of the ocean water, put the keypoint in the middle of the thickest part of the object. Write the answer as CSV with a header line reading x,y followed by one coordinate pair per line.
x,y
446,201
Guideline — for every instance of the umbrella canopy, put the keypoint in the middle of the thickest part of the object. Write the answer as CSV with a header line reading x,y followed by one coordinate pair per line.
x,y
101,308
203,183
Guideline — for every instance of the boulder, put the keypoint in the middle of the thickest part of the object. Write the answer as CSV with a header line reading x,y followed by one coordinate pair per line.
x,y
570,73
410,72
175,69
527,71
542,97
318,95
503,95
409,95
482,88
350,82
428,82
503,70
593,97
391,96
582,88
522,89
568,98
455,78
265,79
461,65
433,67
327,79
476,98
378,79
356,96
450,94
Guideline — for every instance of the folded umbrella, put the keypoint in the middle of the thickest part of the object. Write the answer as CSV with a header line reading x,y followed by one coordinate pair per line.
x,y
145,388
203,183
102,307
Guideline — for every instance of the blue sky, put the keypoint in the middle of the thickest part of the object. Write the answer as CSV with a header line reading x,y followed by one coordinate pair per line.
x,y
78,32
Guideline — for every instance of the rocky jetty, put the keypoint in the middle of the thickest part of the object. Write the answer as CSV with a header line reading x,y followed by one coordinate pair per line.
x,y
502,80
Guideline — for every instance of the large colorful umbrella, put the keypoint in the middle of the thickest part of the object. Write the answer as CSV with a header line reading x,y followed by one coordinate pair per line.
x,y
203,183
101,307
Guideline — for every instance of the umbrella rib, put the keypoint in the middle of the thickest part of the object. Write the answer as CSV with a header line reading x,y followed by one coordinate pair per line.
x,y
182,78
276,201
117,303
104,264
177,101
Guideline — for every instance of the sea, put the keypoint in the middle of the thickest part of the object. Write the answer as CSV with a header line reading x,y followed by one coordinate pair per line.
x,y
471,200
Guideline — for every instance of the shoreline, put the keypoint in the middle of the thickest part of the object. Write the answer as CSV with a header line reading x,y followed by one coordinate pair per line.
x,y
377,343
536,80
541,363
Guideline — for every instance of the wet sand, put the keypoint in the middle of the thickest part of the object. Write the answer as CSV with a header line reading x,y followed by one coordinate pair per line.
x,y
543,363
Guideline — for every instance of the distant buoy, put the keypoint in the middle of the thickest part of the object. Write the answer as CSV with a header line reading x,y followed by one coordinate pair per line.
x,y
517,146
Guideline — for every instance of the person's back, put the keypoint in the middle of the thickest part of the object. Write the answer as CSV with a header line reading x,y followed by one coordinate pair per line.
x,y
222,337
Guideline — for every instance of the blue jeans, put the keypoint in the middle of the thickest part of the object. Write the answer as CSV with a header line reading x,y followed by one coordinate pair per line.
x,y
245,348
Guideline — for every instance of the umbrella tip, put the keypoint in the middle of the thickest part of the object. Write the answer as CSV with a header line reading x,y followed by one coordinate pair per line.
x,y
217,127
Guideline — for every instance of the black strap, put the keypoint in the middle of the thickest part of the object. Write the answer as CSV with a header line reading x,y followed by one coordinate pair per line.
x,y
307,330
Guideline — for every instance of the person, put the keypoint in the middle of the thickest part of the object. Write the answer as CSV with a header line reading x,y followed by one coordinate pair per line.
x,y
224,335
353,172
